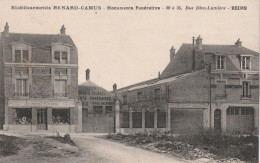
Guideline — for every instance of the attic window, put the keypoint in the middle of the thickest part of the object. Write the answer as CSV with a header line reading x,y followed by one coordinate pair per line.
x,y
61,57
220,62
21,56
245,63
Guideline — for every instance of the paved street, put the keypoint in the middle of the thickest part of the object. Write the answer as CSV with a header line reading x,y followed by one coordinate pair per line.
x,y
99,150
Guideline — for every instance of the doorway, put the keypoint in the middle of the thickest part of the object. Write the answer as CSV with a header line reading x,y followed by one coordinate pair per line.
x,y
41,119
217,120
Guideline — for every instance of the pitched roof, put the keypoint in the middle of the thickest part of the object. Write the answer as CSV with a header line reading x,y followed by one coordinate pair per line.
x,y
182,62
159,81
137,84
225,49
39,40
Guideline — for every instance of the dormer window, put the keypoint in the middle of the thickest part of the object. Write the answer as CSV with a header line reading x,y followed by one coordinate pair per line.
x,y
245,63
60,53
220,62
21,56
21,52
60,57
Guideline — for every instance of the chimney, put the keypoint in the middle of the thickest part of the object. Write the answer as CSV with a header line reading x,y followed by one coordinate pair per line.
x,y
238,43
63,30
159,74
87,74
199,43
6,30
193,42
172,53
114,87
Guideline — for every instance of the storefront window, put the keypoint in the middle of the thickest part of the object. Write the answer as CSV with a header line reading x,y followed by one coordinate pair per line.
x,y
60,116
22,116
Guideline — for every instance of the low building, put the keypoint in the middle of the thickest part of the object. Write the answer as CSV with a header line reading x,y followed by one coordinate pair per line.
x,y
97,107
39,82
202,86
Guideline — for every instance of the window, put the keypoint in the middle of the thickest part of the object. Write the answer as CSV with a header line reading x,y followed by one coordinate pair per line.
x,y
137,119
125,99
60,57
139,96
21,56
240,111
125,119
108,109
20,87
22,116
149,119
97,109
246,89
157,93
60,88
220,62
245,63
161,119
60,116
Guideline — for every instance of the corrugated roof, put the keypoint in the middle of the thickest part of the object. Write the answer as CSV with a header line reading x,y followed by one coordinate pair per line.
x,y
39,40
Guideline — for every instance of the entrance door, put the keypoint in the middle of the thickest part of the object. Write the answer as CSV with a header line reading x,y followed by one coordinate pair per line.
x,y
217,120
42,119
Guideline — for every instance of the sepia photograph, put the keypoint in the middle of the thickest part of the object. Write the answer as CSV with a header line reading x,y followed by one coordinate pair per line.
x,y
129,81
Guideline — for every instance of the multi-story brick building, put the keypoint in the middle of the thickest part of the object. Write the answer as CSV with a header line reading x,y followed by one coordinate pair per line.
x,y
202,86
40,82
97,107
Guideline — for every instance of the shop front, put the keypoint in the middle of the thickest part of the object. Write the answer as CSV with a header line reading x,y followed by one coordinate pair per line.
x,y
52,115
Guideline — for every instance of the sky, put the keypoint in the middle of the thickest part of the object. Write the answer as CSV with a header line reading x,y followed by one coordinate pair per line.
x,y
126,47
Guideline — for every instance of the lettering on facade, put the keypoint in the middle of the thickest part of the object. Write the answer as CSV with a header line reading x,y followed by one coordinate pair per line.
x,y
40,103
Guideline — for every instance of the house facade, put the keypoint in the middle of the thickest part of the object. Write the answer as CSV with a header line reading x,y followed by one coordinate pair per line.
x,y
40,82
203,86
97,107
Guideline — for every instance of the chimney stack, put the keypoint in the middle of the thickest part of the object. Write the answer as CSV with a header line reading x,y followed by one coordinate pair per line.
x,y
199,43
238,43
87,74
193,42
159,74
6,30
114,87
172,53
63,30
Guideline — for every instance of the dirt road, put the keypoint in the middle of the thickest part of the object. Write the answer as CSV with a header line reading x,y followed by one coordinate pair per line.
x,y
103,151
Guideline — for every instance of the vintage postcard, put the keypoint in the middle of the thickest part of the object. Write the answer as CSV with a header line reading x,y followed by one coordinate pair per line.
x,y
125,81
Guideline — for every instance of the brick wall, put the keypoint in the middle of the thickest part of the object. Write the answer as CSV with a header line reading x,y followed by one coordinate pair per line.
x,y
73,87
193,88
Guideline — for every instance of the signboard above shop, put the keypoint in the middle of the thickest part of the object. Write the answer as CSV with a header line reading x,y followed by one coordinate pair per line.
x,y
41,103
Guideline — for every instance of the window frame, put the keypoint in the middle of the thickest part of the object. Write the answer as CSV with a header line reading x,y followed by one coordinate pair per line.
x,y
25,84
243,59
248,89
156,96
224,62
60,94
139,96
60,52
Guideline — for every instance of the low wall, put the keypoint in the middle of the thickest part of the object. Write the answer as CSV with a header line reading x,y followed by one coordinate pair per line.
x,y
61,128
141,130
21,128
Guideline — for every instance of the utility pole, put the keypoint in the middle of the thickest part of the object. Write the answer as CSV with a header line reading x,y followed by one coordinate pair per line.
x,y
210,65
